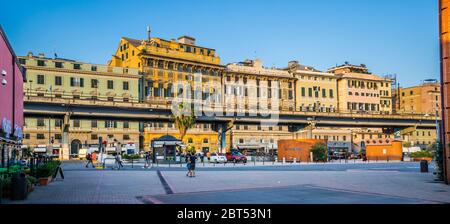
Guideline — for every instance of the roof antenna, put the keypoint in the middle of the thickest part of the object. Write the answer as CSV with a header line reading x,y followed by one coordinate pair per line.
x,y
148,32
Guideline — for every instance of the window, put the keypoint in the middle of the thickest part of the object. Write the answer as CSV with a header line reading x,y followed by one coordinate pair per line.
x,y
58,64
303,92
110,84
58,123
40,122
310,92
22,61
76,123
190,141
125,85
94,68
241,141
126,124
94,137
76,82
77,66
40,79
41,63
110,98
40,136
58,80
126,137
205,141
94,124
94,83
331,93
324,93
110,124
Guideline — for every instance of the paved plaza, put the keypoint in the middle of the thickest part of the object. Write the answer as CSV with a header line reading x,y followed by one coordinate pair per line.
x,y
358,183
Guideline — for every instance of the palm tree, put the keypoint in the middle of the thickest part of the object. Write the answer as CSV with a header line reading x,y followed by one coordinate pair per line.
x,y
183,119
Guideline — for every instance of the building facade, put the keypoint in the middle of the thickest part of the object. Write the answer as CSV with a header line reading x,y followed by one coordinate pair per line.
x,y
174,70
72,82
422,99
444,34
315,90
11,110
359,91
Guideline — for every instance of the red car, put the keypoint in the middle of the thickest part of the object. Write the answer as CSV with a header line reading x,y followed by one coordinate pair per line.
x,y
236,157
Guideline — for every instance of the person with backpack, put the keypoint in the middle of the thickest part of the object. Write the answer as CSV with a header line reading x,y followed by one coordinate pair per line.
x,y
89,160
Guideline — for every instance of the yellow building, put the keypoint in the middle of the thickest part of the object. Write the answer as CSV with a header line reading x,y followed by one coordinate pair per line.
x,y
68,79
362,92
315,90
250,86
421,99
71,82
174,69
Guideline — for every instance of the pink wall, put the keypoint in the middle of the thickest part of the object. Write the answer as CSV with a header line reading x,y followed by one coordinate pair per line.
x,y
7,105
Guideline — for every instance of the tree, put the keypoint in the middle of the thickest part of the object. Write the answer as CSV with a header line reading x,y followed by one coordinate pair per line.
x,y
183,119
320,152
407,144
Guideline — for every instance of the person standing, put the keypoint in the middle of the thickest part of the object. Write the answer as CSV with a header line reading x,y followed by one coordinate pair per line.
x,y
119,160
94,159
188,165
147,160
192,160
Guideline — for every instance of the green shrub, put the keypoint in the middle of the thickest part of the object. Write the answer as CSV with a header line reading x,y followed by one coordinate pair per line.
x,y
422,154
31,180
320,152
133,156
47,169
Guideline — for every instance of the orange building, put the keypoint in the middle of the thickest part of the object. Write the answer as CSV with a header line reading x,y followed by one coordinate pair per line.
x,y
298,149
384,149
444,23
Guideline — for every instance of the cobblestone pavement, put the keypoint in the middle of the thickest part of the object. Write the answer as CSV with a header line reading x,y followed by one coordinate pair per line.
x,y
320,183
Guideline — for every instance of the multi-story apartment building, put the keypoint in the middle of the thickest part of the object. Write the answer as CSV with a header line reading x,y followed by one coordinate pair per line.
x,y
73,82
421,99
315,90
248,84
173,69
361,91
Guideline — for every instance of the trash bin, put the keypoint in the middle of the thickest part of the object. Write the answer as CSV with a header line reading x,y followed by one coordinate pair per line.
x,y
424,166
19,189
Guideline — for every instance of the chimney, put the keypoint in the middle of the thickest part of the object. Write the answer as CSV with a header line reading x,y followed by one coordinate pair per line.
x,y
41,55
30,54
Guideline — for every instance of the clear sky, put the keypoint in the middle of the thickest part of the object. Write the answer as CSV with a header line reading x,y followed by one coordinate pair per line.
x,y
389,36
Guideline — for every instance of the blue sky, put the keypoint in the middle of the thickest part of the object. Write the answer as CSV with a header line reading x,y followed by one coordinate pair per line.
x,y
389,36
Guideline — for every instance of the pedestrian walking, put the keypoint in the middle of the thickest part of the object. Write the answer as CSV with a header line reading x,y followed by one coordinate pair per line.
x,y
119,156
89,160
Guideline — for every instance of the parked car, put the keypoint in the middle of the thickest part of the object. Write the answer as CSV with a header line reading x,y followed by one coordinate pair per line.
x,y
218,158
236,157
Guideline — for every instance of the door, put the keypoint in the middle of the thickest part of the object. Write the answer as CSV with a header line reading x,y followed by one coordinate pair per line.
x,y
75,146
